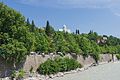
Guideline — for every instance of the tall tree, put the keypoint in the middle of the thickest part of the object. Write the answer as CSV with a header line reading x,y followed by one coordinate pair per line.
x,y
28,22
78,32
33,26
49,30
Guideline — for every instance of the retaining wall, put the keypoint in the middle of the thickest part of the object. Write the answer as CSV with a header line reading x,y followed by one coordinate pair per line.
x,y
35,60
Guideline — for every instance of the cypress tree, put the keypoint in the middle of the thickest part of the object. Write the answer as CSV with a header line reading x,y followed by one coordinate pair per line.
x,y
49,30
78,32
28,22
33,26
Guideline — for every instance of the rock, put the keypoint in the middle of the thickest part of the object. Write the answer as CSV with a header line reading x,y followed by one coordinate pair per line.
x,y
78,69
67,72
51,76
81,69
60,74
85,68
31,78
73,71
43,77
46,77
6,78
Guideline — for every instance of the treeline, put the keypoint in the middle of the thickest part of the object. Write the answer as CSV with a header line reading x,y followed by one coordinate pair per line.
x,y
19,37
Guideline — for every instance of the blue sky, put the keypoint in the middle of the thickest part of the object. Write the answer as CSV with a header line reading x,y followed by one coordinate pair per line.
x,y
102,16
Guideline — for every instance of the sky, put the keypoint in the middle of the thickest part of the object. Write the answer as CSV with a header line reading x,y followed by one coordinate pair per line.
x,y
101,16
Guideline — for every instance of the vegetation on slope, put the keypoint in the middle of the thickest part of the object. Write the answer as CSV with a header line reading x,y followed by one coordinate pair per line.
x,y
58,65
18,37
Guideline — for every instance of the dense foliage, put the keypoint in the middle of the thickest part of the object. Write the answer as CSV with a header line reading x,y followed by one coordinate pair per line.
x,y
118,56
18,74
58,65
18,37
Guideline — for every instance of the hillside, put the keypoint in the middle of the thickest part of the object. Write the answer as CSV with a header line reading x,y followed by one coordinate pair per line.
x,y
19,37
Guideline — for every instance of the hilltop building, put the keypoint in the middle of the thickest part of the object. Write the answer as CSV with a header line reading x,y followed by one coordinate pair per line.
x,y
102,40
65,29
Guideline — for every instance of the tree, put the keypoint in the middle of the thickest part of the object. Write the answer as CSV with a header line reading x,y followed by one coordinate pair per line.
x,y
92,35
33,26
14,52
28,22
113,41
12,32
49,30
61,44
95,51
72,44
78,32
85,46
41,43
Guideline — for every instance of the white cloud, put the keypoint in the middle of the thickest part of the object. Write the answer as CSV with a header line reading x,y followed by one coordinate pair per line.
x,y
113,5
117,14
68,3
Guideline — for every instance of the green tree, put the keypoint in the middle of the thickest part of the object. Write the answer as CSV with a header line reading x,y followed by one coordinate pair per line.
x,y
28,22
61,44
95,51
33,26
49,30
42,43
13,52
72,44
85,46
92,35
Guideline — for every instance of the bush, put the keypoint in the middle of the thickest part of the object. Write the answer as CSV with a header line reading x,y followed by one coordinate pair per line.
x,y
49,67
18,74
58,65
31,69
96,57
14,74
21,73
118,56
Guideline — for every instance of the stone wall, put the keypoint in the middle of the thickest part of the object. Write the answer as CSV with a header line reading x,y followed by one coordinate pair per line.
x,y
35,60
7,67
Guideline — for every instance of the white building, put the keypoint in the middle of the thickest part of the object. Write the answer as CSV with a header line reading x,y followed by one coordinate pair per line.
x,y
65,29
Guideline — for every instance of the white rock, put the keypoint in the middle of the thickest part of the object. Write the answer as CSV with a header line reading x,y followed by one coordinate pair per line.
x,y
60,74
67,72
81,69
73,71
7,78
51,76
46,77
78,69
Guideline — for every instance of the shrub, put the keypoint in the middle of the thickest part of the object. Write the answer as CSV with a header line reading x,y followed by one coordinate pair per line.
x,y
96,57
18,74
21,73
14,74
58,65
118,56
49,67
31,69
